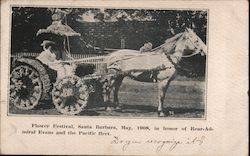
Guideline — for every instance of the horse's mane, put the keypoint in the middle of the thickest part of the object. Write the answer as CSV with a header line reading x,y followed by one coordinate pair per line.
x,y
174,38
170,44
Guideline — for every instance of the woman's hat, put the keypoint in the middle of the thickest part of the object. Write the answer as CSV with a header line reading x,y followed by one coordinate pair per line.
x,y
47,43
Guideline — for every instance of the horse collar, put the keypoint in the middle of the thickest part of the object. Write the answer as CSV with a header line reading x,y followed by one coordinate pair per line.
x,y
171,61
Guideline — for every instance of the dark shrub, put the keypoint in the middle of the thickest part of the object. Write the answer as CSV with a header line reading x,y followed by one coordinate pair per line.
x,y
85,69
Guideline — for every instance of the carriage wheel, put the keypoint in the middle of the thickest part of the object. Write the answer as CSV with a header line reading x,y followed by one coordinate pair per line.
x,y
70,95
25,87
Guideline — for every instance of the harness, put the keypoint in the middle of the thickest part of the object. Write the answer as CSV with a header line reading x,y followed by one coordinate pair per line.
x,y
177,66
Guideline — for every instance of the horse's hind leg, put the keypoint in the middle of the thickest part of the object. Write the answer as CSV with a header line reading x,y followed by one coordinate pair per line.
x,y
113,84
117,85
106,94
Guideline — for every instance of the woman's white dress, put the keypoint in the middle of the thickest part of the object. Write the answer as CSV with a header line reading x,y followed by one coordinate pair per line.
x,y
49,58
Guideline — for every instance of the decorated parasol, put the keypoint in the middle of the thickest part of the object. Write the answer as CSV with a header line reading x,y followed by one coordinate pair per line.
x,y
58,28
62,31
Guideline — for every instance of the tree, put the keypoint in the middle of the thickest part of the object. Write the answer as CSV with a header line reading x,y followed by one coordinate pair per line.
x,y
26,21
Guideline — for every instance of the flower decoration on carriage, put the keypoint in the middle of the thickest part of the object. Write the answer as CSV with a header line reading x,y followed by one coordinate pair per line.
x,y
70,95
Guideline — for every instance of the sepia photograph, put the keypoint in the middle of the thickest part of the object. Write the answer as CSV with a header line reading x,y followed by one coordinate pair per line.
x,y
122,77
108,62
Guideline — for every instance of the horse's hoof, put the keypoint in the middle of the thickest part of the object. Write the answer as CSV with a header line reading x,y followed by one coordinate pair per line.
x,y
109,109
171,113
161,114
118,108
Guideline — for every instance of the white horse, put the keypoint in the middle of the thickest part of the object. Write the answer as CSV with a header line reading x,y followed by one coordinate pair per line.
x,y
158,65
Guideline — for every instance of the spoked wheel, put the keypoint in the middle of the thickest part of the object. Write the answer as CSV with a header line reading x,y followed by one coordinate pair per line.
x,y
25,87
70,95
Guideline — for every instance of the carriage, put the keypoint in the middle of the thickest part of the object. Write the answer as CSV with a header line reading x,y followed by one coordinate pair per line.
x,y
33,81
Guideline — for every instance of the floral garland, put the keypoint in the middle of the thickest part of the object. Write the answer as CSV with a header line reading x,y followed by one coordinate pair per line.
x,y
42,73
17,86
70,95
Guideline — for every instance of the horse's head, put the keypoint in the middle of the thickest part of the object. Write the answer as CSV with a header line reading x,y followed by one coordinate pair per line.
x,y
190,44
195,42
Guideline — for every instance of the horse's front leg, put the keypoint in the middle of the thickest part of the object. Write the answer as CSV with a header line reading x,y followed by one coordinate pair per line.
x,y
164,77
162,89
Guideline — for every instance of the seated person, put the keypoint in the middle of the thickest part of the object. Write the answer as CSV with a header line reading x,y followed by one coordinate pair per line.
x,y
51,57
48,55
147,47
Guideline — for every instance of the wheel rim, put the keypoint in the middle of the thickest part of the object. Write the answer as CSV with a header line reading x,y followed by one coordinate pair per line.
x,y
25,87
70,95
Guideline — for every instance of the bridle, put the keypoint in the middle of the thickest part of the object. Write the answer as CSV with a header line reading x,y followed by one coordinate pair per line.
x,y
190,55
178,58
192,42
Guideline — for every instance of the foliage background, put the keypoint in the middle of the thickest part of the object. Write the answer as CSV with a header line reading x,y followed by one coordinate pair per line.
x,y
105,28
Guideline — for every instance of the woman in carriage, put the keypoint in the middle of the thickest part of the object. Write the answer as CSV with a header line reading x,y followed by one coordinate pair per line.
x,y
53,55
55,51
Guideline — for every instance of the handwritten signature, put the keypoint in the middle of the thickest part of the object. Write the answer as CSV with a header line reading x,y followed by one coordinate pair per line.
x,y
169,144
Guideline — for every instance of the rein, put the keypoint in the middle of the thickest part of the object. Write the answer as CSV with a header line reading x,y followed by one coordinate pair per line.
x,y
190,55
177,66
